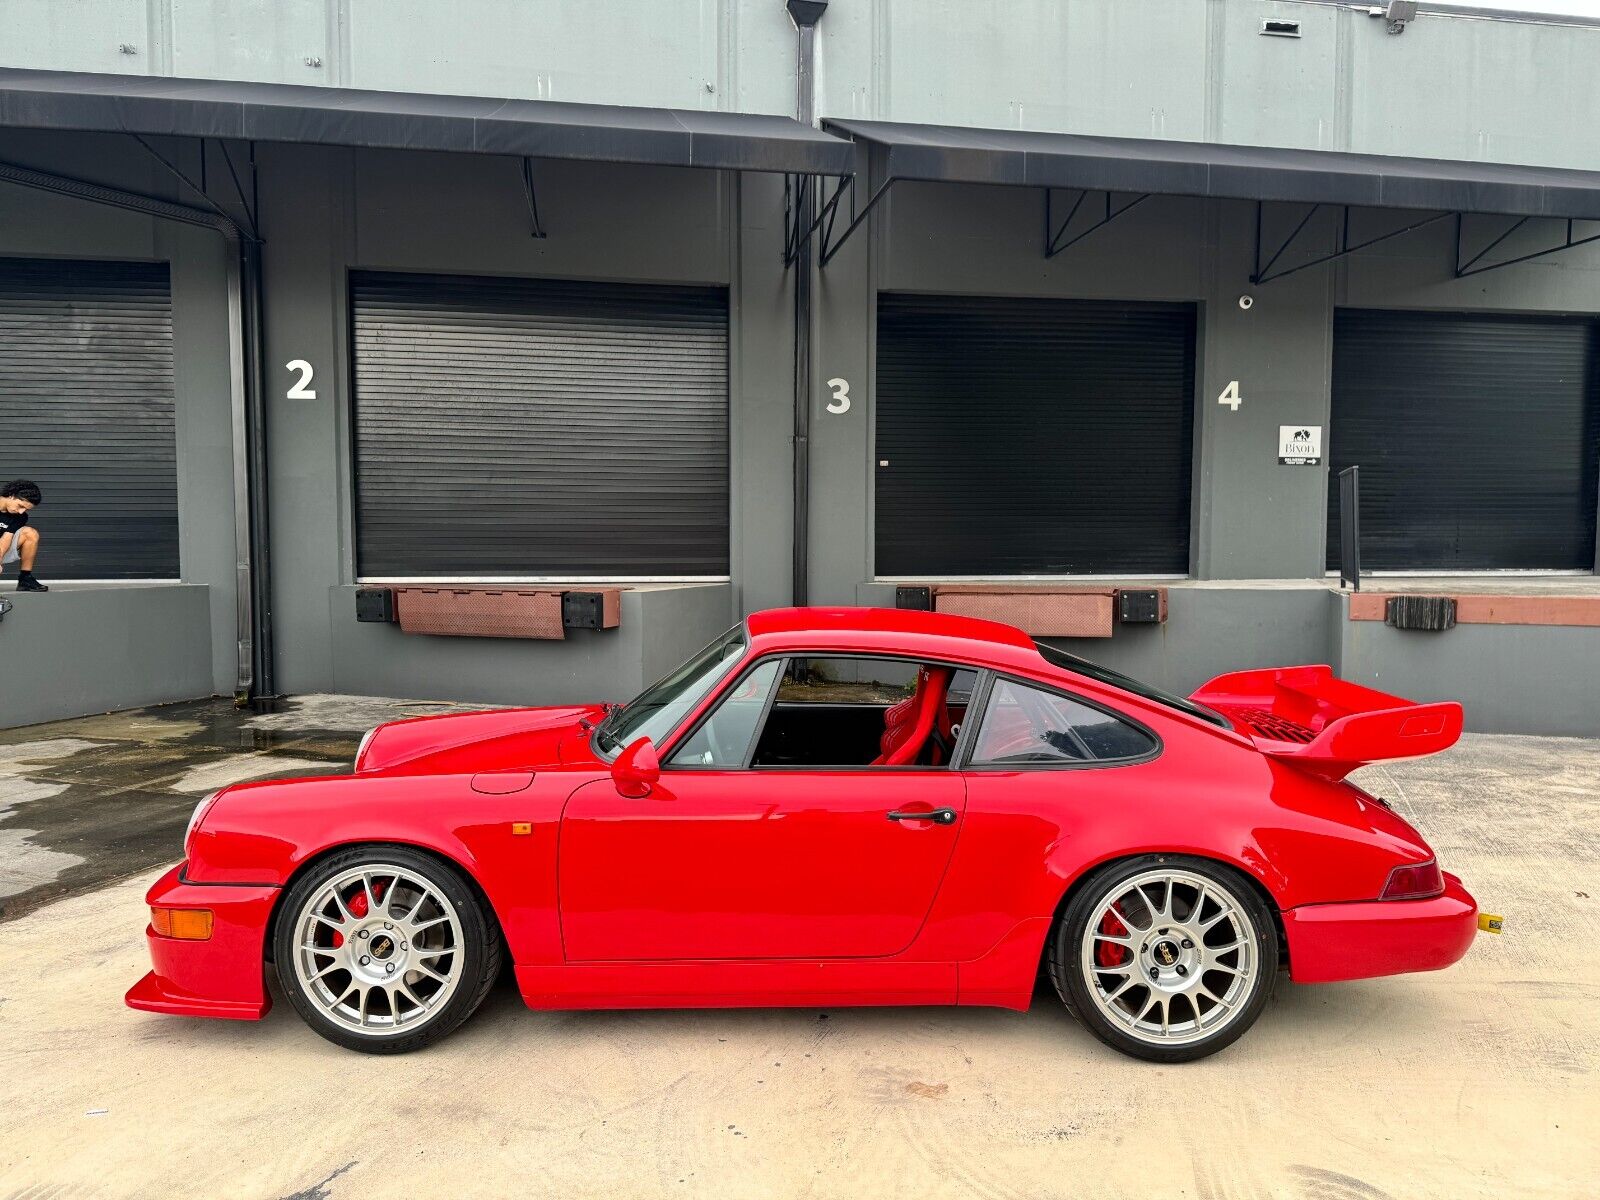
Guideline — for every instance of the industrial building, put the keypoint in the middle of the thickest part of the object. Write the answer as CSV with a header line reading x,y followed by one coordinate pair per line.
x,y
1062,311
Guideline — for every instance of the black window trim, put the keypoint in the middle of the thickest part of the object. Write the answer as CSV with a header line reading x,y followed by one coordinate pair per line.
x,y
969,744
684,733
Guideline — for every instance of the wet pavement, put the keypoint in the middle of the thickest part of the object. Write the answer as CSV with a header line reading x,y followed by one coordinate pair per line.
x,y
89,801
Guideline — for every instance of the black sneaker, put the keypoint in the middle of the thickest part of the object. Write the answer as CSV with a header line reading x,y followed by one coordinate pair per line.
x,y
27,583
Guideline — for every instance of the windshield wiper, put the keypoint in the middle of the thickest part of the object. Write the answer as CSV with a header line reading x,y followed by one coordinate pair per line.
x,y
602,731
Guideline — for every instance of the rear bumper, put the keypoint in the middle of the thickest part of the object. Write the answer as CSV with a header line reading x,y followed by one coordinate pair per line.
x,y
1329,942
220,977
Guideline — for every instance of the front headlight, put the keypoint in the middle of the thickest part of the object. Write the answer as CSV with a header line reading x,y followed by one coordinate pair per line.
x,y
196,817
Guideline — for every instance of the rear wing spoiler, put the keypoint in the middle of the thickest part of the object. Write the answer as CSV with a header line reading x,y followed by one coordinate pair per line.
x,y
1326,725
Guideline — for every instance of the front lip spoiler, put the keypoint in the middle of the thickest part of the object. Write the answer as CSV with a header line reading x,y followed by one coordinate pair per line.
x,y
154,994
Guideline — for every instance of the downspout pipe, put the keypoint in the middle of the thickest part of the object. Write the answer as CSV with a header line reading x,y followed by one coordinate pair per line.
x,y
247,392
805,14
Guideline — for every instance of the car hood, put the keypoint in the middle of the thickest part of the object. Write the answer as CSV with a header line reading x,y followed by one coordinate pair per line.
x,y
500,739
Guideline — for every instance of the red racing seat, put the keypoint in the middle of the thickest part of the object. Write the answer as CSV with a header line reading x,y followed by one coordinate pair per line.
x,y
908,724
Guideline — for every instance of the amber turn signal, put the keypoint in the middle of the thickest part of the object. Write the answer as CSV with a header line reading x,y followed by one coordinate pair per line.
x,y
187,924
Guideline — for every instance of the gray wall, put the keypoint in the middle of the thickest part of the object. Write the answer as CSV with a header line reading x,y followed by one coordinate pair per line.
x,y
95,649
1510,678
1139,67
1450,87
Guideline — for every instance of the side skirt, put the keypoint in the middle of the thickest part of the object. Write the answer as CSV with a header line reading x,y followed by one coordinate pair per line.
x,y
736,984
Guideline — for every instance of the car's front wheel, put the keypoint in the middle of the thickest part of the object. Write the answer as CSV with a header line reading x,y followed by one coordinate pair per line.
x,y
1166,958
384,949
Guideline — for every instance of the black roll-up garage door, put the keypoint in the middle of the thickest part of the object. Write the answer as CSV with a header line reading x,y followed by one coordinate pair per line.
x,y
1477,437
1033,437
516,427
86,412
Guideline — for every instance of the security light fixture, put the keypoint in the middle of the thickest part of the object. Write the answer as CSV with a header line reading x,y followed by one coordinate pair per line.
x,y
1397,14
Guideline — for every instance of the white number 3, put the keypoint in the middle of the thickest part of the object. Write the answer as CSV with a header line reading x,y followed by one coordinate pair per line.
x,y
299,389
841,396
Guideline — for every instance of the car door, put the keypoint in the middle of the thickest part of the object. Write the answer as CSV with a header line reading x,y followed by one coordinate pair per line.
x,y
733,857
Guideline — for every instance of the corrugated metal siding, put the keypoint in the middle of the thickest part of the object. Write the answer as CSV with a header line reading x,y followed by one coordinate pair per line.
x,y
539,427
1478,439
1033,437
86,412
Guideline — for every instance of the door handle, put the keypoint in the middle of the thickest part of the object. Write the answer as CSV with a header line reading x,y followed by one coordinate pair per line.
x,y
939,816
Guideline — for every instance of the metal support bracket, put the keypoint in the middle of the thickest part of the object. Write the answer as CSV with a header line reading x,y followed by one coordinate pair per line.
x,y
536,227
1263,272
1470,267
831,247
1053,245
795,238
248,230
827,212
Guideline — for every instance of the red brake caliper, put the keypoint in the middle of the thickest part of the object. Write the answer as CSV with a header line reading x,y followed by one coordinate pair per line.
x,y
1109,954
358,907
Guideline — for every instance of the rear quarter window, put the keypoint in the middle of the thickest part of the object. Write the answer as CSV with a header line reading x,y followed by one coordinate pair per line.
x,y
1024,725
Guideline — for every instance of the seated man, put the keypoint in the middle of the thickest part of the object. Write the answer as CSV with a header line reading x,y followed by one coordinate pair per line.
x,y
19,542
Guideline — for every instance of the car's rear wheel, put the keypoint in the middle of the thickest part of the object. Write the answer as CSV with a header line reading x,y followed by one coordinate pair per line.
x,y
384,949
1166,958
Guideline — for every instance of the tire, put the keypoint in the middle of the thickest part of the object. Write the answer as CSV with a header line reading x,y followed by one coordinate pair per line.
x,y
385,950
1215,960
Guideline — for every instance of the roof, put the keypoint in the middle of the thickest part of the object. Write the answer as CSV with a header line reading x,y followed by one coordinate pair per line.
x,y
282,112
1160,166
873,627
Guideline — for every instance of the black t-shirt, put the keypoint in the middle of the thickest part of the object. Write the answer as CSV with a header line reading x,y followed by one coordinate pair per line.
x,y
10,522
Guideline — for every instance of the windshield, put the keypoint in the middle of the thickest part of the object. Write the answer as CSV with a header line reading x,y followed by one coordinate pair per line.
x,y
1071,662
656,711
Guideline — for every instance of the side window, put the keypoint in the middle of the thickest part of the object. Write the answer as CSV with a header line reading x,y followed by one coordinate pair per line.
x,y
863,712
1024,725
723,739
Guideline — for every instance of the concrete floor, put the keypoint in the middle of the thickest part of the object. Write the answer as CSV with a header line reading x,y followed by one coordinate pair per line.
x,y
1479,1081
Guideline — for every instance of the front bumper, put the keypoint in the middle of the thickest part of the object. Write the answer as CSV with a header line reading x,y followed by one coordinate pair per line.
x,y
222,976
1329,942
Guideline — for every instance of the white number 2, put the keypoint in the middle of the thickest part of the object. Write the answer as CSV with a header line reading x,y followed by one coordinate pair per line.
x,y
1230,395
841,396
298,390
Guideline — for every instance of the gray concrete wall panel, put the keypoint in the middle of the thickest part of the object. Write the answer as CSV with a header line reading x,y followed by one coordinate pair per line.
x,y
1509,678
96,649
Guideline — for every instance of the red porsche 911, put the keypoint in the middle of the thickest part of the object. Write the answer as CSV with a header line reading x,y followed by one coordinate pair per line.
x,y
829,807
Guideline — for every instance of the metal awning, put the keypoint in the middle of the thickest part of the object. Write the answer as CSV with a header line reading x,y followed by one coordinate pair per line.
x,y
1143,167
1158,167
280,112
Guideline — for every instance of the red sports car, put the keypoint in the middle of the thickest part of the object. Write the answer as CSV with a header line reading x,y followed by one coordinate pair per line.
x,y
829,807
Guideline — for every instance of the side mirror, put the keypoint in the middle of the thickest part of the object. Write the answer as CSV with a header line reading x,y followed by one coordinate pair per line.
x,y
636,769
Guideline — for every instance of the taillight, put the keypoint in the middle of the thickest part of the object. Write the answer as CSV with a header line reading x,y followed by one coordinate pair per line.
x,y
1417,882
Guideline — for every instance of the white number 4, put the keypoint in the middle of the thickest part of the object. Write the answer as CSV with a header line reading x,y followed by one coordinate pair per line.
x,y
299,389
1230,395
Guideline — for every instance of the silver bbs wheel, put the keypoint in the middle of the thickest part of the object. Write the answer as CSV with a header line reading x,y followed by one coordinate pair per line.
x,y
379,949
1170,957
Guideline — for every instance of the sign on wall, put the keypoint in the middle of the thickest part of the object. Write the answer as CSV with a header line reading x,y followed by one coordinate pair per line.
x,y
1299,445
